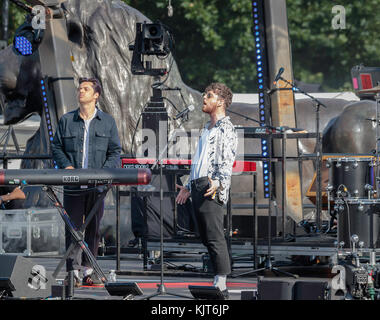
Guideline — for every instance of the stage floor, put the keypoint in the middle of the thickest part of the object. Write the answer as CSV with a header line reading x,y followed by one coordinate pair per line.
x,y
175,281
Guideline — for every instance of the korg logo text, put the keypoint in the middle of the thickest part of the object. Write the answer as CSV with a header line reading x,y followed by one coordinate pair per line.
x,y
70,179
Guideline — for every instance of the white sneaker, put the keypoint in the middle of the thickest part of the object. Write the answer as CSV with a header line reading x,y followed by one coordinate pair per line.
x,y
87,271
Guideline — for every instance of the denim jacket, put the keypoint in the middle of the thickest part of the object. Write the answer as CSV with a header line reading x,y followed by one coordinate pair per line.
x,y
104,144
221,155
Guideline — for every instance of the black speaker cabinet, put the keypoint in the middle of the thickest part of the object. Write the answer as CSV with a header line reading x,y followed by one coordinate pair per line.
x,y
268,289
311,290
242,226
21,278
275,290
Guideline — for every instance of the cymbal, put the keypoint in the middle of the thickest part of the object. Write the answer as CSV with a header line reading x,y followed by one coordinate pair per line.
x,y
370,90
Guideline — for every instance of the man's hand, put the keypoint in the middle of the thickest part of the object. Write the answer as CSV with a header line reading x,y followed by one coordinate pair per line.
x,y
17,193
183,194
214,185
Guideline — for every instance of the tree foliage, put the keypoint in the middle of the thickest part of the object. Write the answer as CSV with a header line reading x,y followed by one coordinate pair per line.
x,y
16,18
326,55
214,41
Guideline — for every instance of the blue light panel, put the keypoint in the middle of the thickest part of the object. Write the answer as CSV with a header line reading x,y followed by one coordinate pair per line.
x,y
23,46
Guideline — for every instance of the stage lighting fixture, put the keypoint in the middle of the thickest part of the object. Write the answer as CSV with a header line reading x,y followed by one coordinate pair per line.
x,y
156,39
128,290
27,39
153,31
151,39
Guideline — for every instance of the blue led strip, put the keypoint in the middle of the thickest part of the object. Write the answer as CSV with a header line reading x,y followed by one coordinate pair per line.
x,y
262,84
46,113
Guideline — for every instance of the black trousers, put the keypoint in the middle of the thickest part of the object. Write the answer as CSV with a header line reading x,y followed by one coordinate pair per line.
x,y
210,219
78,205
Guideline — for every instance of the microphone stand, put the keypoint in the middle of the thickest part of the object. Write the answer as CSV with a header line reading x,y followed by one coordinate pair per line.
x,y
268,263
318,148
161,290
244,116
280,129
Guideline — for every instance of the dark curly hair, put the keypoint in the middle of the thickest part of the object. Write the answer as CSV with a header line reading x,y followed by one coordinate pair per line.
x,y
222,91
95,84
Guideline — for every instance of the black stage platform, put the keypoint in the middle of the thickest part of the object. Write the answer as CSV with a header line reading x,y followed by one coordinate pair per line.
x,y
132,271
184,266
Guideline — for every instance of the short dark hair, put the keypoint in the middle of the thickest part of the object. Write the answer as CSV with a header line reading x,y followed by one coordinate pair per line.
x,y
222,91
95,84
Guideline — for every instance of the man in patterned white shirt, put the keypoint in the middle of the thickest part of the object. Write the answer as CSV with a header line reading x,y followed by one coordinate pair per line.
x,y
210,179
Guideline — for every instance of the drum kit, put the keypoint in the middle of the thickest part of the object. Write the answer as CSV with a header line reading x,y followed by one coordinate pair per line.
x,y
352,189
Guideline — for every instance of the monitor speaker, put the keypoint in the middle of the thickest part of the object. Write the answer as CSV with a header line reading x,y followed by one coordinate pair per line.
x,y
311,290
275,290
22,278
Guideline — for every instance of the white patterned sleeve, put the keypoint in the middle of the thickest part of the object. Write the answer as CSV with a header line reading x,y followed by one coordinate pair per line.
x,y
227,157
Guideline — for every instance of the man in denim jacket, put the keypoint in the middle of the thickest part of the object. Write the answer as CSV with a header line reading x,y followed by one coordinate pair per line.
x,y
210,179
85,138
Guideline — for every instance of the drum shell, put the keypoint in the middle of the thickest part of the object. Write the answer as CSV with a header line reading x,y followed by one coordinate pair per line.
x,y
362,215
352,173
